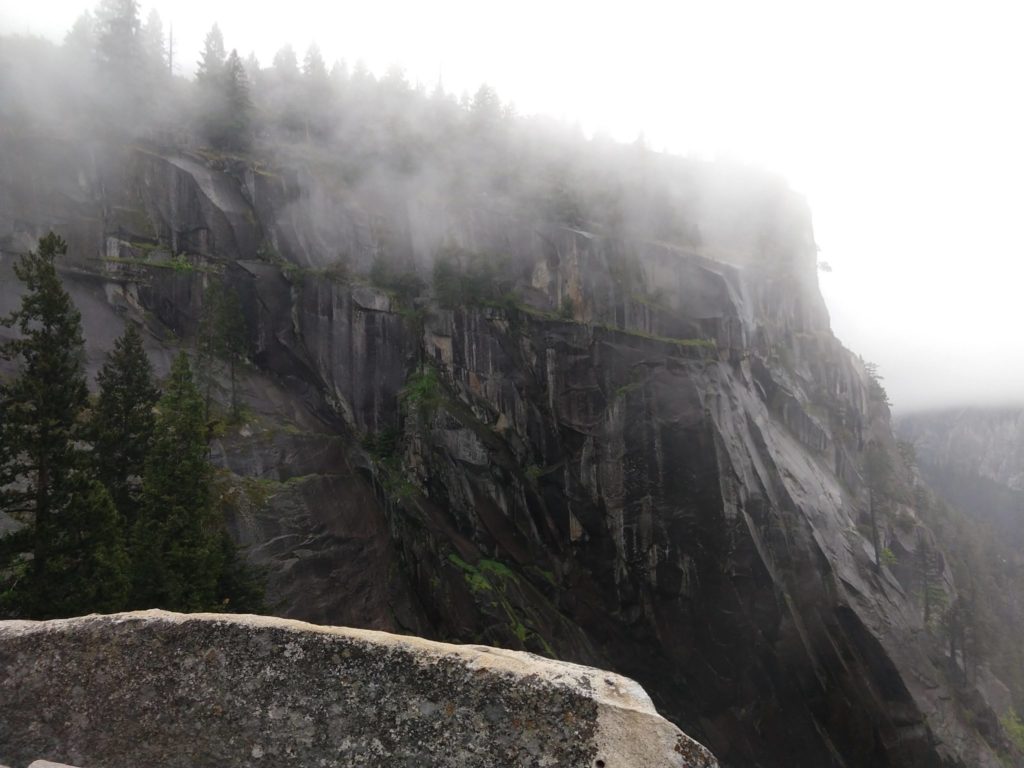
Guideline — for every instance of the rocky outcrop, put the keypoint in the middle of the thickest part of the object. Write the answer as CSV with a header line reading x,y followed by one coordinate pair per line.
x,y
631,454
163,689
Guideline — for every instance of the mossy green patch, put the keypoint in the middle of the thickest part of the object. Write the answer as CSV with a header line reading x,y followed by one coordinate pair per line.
x,y
496,568
492,581
422,391
477,581
679,342
179,263
1014,728
393,479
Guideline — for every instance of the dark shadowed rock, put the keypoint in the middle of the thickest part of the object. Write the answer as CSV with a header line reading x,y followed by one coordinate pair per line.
x,y
162,689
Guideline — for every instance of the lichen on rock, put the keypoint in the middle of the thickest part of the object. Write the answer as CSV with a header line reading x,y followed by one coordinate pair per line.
x,y
161,689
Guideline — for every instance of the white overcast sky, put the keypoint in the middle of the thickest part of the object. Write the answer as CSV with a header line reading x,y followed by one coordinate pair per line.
x,y
901,122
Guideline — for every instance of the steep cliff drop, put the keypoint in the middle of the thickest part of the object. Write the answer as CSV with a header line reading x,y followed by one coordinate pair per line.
x,y
630,452
165,689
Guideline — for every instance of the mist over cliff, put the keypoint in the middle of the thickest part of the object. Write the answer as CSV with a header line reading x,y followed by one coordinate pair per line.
x,y
504,384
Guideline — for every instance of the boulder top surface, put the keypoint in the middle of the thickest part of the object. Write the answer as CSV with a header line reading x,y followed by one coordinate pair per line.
x,y
168,689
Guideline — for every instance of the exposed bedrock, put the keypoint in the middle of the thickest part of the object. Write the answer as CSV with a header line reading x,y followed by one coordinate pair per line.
x,y
644,457
161,689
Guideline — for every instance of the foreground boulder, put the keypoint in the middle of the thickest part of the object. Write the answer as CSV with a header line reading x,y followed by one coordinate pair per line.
x,y
162,689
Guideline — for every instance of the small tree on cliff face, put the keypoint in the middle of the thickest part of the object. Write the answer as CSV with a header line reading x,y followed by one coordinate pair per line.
x,y
70,527
875,389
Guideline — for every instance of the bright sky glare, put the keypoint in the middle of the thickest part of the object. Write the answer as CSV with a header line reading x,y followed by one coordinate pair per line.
x,y
901,122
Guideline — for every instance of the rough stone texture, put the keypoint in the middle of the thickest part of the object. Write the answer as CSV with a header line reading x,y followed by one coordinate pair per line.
x,y
666,483
162,689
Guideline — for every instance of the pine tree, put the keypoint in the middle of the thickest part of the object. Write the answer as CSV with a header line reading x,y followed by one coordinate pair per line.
x,y
313,66
123,422
252,68
286,65
210,77
237,105
240,587
224,95
285,99
486,107
177,552
70,527
117,29
17,543
102,579
316,93
127,88
154,49
81,38
339,74
211,65
362,77
41,410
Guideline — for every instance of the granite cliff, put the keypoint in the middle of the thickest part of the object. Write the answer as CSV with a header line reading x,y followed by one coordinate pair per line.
x,y
637,452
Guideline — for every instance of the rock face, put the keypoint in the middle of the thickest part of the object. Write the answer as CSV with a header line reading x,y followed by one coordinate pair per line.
x,y
162,689
647,457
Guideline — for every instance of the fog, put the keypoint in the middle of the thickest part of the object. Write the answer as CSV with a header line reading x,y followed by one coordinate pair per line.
x,y
899,123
